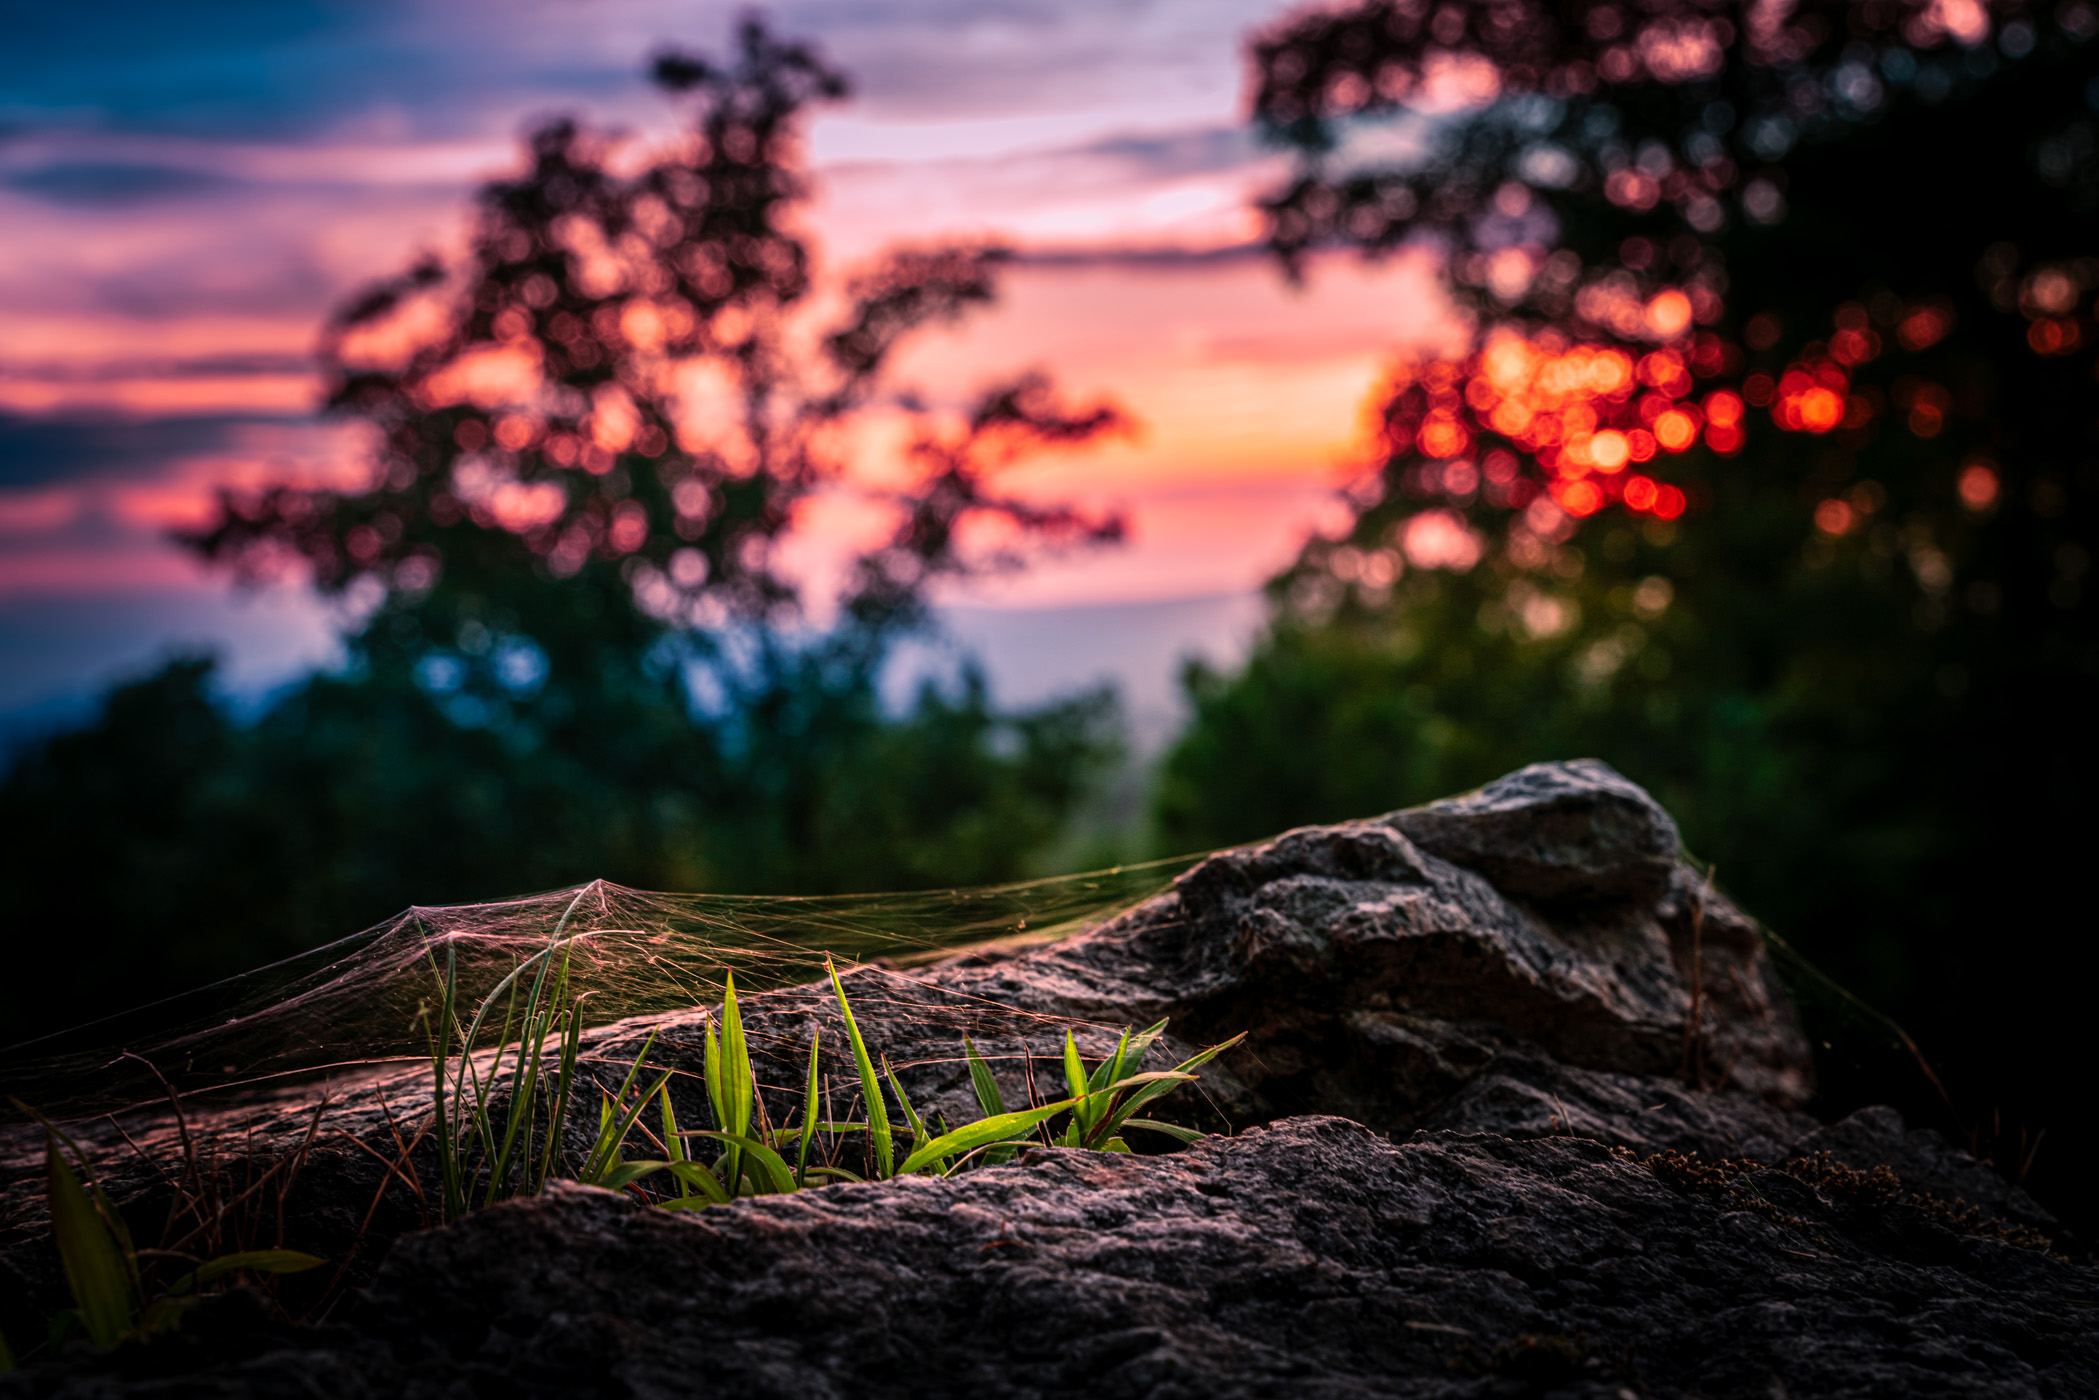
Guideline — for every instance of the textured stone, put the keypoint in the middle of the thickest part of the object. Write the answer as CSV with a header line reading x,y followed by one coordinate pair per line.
x,y
1309,1258
1516,978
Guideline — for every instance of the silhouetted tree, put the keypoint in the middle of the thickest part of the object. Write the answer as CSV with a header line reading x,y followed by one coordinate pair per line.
x,y
1769,474
577,653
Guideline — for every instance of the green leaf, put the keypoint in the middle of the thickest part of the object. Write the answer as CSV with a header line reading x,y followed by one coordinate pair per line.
x,y
1172,1131
737,1083
981,1133
1165,1084
613,1131
95,1267
778,1177
870,1087
672,1143
695,1175
809,1106
625,1174
260,1261
1074,1069
918,1126
1110,1069
983,1081
713,1071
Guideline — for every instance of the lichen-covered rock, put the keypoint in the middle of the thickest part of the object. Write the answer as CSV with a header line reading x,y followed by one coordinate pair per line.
x,y
1310,1258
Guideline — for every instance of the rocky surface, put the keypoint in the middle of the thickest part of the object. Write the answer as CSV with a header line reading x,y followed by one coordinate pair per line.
x,y
1312,1257
1506,983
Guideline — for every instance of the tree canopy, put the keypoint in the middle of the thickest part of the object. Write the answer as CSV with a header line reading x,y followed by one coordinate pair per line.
x,y
1769,474
576,651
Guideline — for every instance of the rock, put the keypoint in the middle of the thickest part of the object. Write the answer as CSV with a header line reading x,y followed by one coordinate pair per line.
x,y
1308,1258
1518,978
1555,832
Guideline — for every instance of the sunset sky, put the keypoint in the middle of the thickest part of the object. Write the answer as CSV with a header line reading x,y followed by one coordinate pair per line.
x,y
186,190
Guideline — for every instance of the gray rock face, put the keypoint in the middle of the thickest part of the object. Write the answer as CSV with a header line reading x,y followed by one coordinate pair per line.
x,y
1517,978
1310,1258
1380,966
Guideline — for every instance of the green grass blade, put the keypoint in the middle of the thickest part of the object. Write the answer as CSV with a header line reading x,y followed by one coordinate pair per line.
x,y
1171,1130
1076,1079
738,1086
809,1106
1165,1084
918,1126
981,1133
672,1143
612,1130
260,1261
778,1178
95,1268
625,1174
1110,1069
870,1087
712,1073
695,1176
981,1079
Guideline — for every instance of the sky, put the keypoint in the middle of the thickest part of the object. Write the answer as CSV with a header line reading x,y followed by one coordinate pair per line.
x,y
186,190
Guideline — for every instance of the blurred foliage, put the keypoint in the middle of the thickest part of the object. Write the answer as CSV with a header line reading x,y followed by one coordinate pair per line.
x,y
576,655
1769,477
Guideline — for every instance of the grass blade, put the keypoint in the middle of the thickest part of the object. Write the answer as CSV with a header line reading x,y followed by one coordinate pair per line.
x,y
693,1176
989,1099
672,1143
1110,1069
95,1268
809,1105
981,1133
260,1261
1171,1130
870,1087
613,1128
769,1162
1165,1084
918,1126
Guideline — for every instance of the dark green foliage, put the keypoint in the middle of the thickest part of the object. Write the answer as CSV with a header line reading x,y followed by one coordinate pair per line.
x,y
170,844
1878,727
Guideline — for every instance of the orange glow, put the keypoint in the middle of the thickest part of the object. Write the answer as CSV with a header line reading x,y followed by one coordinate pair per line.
x,y
1669,314
1578,498
1724,409
1669,503
1834,517
1609,450
1442,437
1820,409
1676,430
1640,493
1978,486
1725,441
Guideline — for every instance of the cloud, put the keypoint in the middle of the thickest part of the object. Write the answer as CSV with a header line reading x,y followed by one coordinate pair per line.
x,y
107,184
35,451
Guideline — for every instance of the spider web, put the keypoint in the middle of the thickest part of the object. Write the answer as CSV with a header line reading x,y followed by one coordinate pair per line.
x,y
360,1001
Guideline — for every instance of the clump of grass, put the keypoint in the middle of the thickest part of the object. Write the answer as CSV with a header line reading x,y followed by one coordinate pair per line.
x,y
121,1292
463,1121
1102,1103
